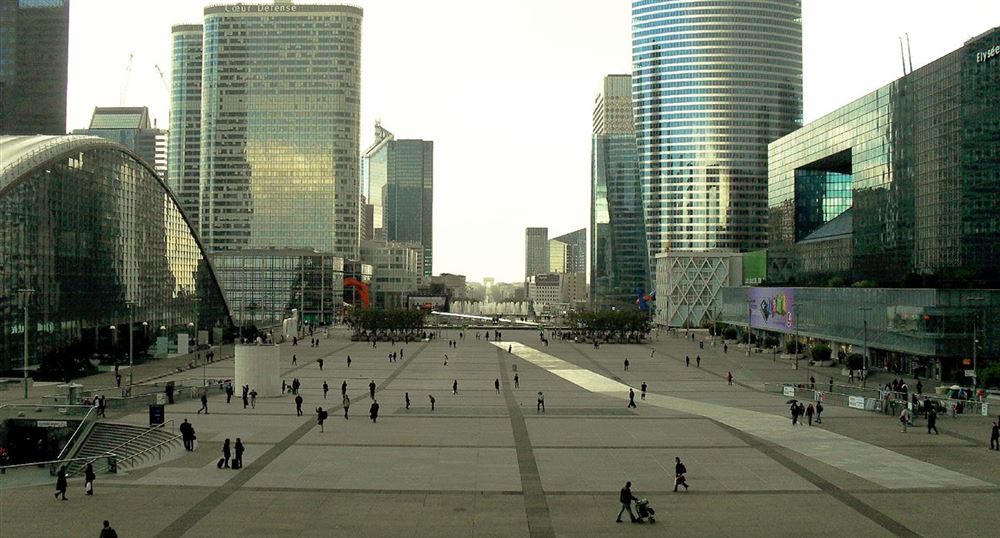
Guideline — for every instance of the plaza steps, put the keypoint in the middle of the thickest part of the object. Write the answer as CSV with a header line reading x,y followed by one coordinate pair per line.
x,y
126,441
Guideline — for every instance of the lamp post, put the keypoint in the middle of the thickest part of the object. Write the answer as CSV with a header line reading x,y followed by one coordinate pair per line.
x,y
749,314
131,347
795,312
864,366
26,295
975,343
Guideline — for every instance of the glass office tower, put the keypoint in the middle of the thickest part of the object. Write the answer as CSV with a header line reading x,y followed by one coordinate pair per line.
x,y
409,195
713,82
280,108
536,251
184,146
617,235
34,55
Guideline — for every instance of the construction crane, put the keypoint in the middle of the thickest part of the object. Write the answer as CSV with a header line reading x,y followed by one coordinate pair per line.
x,y
128,75
163,78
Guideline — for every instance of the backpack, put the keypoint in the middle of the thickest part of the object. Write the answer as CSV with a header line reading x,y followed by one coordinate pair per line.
x,y
682,468
323,415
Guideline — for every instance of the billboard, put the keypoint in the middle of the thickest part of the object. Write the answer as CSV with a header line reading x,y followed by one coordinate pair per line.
x,y
772,308
754,267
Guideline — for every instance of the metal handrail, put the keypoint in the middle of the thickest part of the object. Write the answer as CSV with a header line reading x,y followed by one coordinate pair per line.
x,y
52,463
150,430
72,438
156,446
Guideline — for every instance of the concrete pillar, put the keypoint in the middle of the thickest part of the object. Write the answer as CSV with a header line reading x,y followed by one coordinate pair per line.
x,y
258,366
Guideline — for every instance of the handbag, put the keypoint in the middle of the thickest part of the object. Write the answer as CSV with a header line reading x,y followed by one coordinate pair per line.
x,y
88,487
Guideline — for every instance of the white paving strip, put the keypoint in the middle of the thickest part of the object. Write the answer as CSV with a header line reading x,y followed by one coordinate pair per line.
x,y
876,464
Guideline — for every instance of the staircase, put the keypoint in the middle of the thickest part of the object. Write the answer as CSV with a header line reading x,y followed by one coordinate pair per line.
x,y
125,441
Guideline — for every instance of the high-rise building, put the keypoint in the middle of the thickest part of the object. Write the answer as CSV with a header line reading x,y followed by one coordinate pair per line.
x,y
398,271
280,108
617,234
130,127
184,147
408,196
374,175
713,82
558,256
366,220
34,55
576,250
536,251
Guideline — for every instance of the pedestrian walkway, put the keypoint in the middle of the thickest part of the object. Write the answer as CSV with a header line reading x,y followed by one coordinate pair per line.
x,y
876,464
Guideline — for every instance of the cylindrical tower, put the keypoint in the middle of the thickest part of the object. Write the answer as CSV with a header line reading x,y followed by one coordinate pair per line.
x,y
185,118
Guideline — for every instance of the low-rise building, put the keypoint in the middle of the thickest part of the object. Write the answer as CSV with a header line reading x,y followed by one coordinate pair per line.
x,y
398,271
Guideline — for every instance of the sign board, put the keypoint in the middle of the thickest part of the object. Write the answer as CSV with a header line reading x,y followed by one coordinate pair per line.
x,y
857,402
788,390
156,414
970,373
985,410
161,398
51,424
772,308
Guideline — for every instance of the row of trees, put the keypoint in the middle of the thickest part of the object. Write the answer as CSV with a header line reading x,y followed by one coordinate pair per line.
x,y
386,324
606,325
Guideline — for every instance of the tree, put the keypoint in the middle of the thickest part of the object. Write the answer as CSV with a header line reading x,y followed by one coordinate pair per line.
x,y
821,352
855,361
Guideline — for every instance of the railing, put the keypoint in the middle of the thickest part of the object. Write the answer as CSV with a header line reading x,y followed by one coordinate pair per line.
x,y
158,447
875,400
28,473
73,410
77,438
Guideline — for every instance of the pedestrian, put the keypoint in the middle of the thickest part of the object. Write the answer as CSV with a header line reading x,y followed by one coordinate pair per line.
x,y
643,390
995,436
226,454
920,387
446,359
517,381
102,406
454,387
904,419
541,402
626,364
204,401
651,352
229,392
295,360
819,412
320,418
432,401
343,388
631,398
61,483
725,348
295,385
932,422
347,406
687,360
326,389
698,361
795,413
108,531
729,378
831,388
238,453
812,383
496,385
320,362
679,475
509,347
626,498
88,479
253,399
118,379
187,434
348,361
298,405
407,397
373,412
371,389
810,411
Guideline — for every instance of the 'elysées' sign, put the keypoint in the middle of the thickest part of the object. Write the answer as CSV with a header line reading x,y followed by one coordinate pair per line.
x,y
987,54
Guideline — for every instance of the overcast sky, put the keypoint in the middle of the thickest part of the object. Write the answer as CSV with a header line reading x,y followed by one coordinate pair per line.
x,y
505,89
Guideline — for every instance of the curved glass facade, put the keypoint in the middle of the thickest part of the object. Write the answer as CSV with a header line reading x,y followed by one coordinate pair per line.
x,y
713,82
99,237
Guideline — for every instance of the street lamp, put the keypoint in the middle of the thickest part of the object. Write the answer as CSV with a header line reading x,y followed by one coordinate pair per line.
x,y
975,343
26,295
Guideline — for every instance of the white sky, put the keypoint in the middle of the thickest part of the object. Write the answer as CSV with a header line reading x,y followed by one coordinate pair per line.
x,y
505,90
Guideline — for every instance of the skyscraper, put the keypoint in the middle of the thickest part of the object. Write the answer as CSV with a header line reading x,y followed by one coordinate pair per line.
x,y
617,235
130,127
536,251
184,146
279,127
374,172
34,53
409,196
713,83
576,250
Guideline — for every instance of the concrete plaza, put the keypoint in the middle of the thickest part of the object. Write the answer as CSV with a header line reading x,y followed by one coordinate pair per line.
x,y
489,464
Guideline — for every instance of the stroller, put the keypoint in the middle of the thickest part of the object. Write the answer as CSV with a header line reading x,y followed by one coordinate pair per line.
x,y
643,510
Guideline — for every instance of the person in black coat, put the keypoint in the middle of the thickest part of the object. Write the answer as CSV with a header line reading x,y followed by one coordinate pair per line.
x,y
61,483
626,498
298,405
187,434
88,479
226,454
238,460
373,411
371,389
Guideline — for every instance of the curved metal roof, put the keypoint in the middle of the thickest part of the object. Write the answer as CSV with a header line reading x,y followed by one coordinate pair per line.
x,y
20,155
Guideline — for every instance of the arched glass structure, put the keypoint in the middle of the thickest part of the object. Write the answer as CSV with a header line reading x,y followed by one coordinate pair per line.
x,y
100,238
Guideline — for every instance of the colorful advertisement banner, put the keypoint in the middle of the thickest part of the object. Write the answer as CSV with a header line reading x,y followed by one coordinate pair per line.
x,y
772,308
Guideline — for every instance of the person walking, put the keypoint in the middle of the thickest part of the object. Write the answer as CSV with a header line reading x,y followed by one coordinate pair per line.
x,y
88,479
995,436
454,387
432,401
326,389
371,389
246,397
831,387
631,398
698,361
680,472
517,381
725,348
226,454
625,497
795,413
295,360
729,378
187,434
407,397
626,364
102,406
812,383
298,405
540,406
348,361
238,453
343,388
373,412
253,399
320,362
108,531
496,385
204,401
321,416
810,411
509,348
295,385
904,419
229,392
347,406
819,412
643,387
687,360
61,483
932,422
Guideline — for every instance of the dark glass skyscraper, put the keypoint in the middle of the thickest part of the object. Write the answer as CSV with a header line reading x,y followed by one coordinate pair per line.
x,y
409,195
34,52
617,235
280,105
713,82
184,153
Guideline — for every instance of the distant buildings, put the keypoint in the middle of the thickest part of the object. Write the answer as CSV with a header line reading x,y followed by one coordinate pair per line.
x,y
618,251
576,250
184,147
711,87
34,55
397,271
536,251
554,293
130,127
454,285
